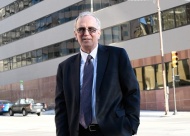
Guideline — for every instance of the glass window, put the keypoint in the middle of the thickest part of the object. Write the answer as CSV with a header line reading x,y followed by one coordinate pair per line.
x,y
70,46
1,40
169,74
39,55
2,13
18,60
183,71
55,19
74,11
43,24
1,65
50,52
67,14
63,50
159,77
96,5
87,5
168,19
105,3
125,31
5,64
101,40
155,23
116,31
180,16
188,12
23,59
149,77
10,63
136,30
107,35
61,16
14,62
139,72
28,58
45,53
76,46
57,48
48,22
81,6
33,56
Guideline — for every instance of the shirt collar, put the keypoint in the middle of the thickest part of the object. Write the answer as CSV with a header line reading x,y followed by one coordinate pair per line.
x,y
93,54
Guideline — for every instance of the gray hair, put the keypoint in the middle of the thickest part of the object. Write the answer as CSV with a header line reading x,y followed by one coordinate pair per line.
x,y
87,13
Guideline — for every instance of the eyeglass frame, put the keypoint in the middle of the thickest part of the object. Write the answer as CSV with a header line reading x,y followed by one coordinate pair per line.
x,y
83,30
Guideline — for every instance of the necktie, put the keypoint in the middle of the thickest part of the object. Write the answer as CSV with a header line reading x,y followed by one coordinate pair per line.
x,y
86,94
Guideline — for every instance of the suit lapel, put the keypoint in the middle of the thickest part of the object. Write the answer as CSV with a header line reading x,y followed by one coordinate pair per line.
x,y
103,55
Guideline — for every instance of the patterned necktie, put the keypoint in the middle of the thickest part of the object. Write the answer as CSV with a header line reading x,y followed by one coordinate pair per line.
x,y
86,94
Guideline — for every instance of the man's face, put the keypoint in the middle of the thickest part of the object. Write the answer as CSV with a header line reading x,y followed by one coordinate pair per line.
x,y
87,33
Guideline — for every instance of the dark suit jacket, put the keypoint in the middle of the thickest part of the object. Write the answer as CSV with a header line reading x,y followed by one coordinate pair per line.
x,y
117,94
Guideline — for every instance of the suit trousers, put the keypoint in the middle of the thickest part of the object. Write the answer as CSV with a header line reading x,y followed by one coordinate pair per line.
x,y
87,132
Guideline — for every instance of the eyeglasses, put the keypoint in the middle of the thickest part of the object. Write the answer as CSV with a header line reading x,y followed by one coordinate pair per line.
x,y
82,30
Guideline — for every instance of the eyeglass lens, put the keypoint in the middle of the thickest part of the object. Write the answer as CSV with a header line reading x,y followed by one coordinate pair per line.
x,y
82,30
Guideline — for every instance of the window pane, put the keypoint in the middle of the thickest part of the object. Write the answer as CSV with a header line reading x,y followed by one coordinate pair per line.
x,y
18,60
136,29
57,48
76,46
97,5
63,50
14,62
183,72
101,40
74,11
155,24
107,35
180,16
159,77
125,31
139,76
149,77
45,53
28,58
1,65
116,33
34,56
188,12
168,19
23,59
50,52
39,55
5,64
70,46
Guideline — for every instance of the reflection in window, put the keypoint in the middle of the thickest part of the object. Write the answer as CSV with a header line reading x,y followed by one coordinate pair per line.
x,y
74,11
135,29
1,65
18,60
63,50
97,5
45,53
28,58
39,55
5,64
125,31
188,12
159,77
34,56
76,46
139,76
50,52
107,36
70,46
155,24
183,72
14,62
149,77
101,40
57,48
180,16
168,19
23,59
116,33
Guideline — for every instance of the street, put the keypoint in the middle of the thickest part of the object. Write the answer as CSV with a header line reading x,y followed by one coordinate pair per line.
x,y
152,124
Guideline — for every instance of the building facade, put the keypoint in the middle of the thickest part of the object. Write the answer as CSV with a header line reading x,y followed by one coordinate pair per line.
x,y
36,35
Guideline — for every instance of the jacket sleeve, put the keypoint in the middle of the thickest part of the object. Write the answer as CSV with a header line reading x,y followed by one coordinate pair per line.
x,y
130,90
61,121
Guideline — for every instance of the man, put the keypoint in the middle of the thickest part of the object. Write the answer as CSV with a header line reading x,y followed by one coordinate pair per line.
x,y
114,92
